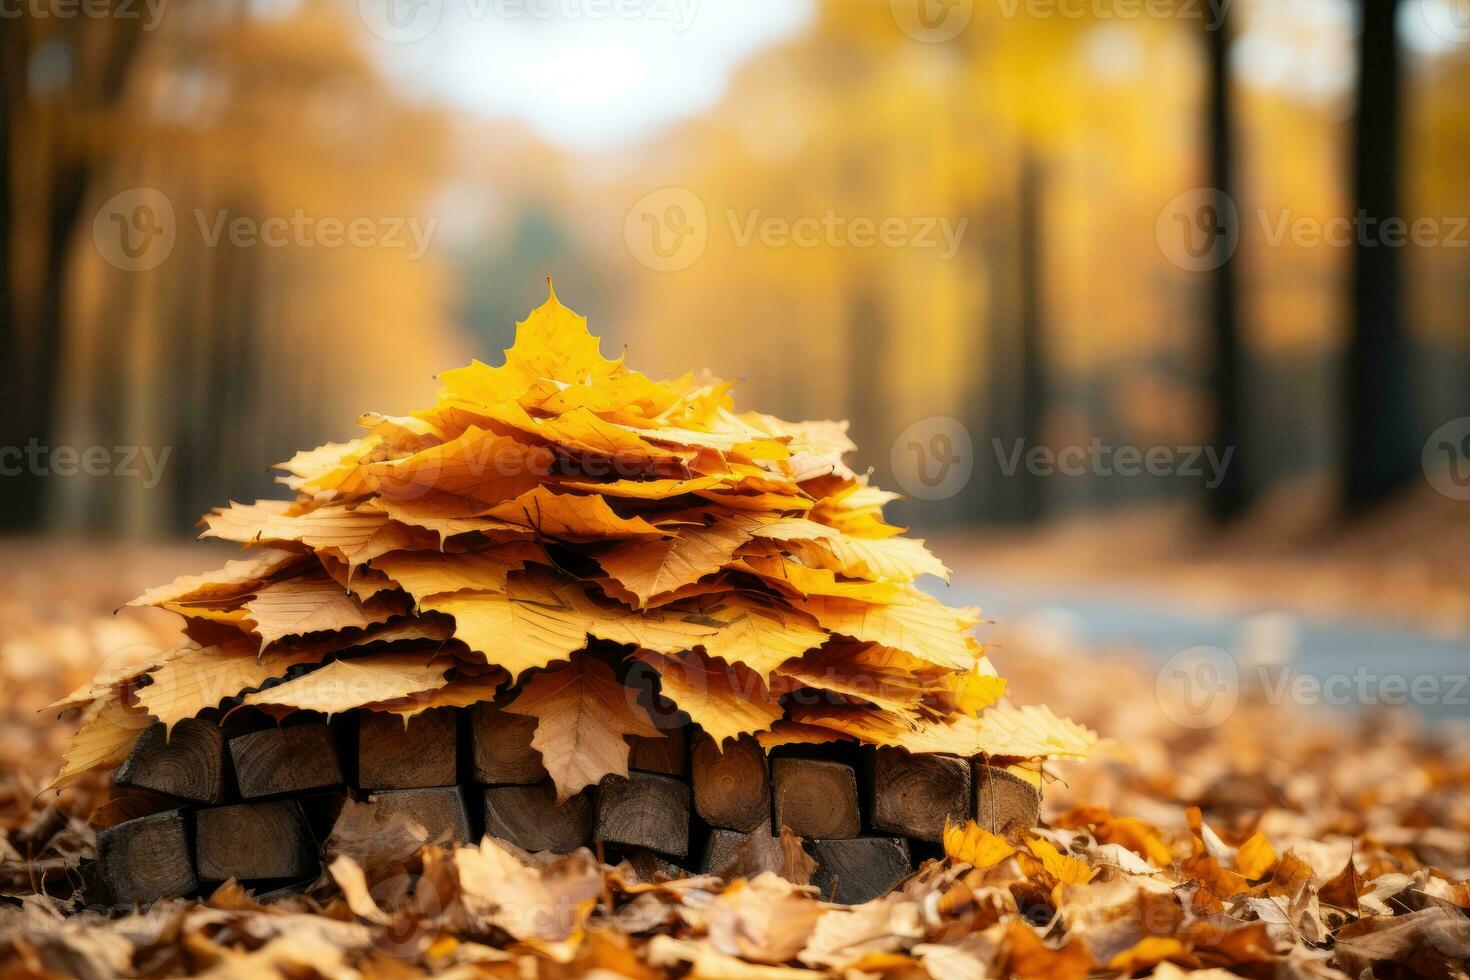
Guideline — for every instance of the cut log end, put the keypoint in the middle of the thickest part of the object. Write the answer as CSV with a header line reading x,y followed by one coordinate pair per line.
x,y
255,842
187,763
731,787
666,754
1006,803
147,858
644,811
500,747
440,810
278,761
423,755
914,795
816,799
859,869
529,817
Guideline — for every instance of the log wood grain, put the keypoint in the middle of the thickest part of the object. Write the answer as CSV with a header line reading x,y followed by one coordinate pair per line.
x,y
423,755
817,799
187,763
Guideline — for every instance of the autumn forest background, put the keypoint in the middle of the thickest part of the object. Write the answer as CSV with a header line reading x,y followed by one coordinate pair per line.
x,y
976,229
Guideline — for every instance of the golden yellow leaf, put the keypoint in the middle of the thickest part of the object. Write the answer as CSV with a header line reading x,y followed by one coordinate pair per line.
x,y
799,581
582,714
478,465
571,517
975,845
1145,954
654,568
346,684
552,344
202,678
424,574
105,738
460,692
761,637
644,489
1032,731
888,678
726,700
1064,869
896,559
1256,857
236,580
312,604
911,621
358,535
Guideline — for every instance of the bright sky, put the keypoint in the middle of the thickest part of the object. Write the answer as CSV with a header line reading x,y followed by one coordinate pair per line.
x,y
585,74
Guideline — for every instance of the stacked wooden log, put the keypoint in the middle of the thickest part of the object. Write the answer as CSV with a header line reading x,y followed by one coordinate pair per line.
x,y
511,598
258,805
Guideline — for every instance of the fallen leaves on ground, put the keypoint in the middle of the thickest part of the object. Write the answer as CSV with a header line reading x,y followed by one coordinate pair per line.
x,y
1366,820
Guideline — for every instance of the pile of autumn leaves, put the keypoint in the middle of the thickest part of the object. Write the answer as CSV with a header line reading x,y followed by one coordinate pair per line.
x,y
555,527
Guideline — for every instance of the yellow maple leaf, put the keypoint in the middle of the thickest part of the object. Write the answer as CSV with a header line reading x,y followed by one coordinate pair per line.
x,y
571,517
346,684
582,714
973,844
653,568
1256,857
726,700
1065,870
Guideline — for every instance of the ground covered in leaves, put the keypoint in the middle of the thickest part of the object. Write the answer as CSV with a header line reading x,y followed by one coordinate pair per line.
x,y
1279,843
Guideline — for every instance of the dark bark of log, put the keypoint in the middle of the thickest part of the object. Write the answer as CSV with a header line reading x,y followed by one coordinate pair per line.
x,y
187,763
859,869
1005,803
255,842
147,858
440,810
913,795
529,817
500,745
277,761
731,788
816,799
667,754
422,756
646,811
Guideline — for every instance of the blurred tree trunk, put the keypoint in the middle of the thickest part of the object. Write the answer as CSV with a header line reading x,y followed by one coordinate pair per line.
x,y
1380,454
1227,357
866,356
1030,245
1015,382
91,56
